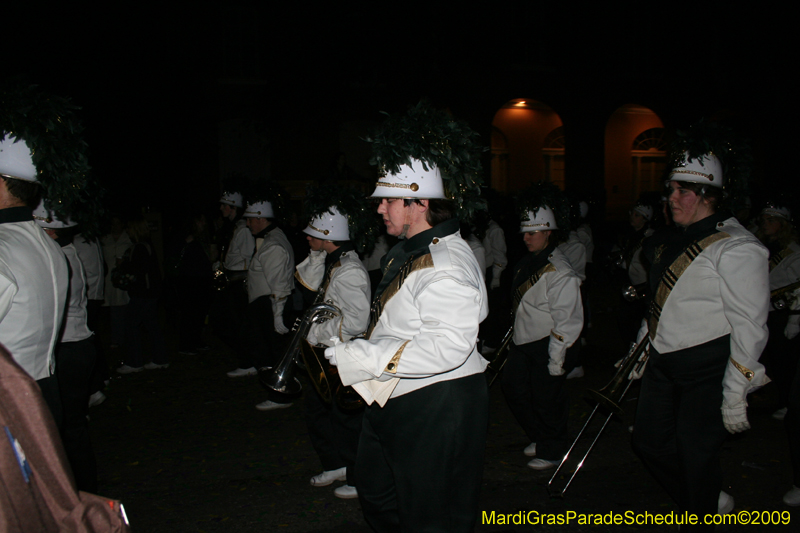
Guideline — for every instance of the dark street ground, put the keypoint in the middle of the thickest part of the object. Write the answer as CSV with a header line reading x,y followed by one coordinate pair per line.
x,y
186,451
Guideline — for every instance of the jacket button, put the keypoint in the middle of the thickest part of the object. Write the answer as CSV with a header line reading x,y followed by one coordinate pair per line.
x,y
390,366
436,240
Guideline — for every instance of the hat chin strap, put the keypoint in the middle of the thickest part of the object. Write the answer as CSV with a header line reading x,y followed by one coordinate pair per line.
x,y
405,230
406,225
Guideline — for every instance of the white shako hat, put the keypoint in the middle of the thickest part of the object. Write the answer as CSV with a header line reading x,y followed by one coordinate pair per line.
x,y
779,211
705,170
329,226
16,160
47,219
259,210
232,198
543,220
411,181
645,210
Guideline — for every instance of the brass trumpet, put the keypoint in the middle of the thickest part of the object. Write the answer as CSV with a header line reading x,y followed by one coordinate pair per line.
x,y
281,378
631,293
609,397
781,298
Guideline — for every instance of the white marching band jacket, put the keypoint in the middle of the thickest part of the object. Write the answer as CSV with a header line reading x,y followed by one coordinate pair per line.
x,y
786,272
495,244
91,256
724,290
348,289
271,271
241,247
575,252
34,279
552,307
428,330
637,273
76,327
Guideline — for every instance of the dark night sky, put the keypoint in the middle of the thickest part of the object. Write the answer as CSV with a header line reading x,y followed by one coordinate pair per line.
x,y
146,74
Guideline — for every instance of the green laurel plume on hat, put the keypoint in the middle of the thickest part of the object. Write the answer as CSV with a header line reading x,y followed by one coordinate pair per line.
x,y
733,151
50,126
237,182
269,192
544,193
362,221
435,138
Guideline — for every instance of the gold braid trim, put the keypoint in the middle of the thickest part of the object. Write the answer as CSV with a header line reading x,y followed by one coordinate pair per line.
x,y
746,372
778,257
302,282
413,186
709,177
673,273
323,231
530,282
411,265
391,368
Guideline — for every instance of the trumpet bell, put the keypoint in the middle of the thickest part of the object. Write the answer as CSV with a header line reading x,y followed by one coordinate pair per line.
x,y
279,382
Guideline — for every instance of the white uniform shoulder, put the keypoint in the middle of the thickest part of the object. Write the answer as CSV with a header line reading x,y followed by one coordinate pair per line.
x,y
560,260
452,253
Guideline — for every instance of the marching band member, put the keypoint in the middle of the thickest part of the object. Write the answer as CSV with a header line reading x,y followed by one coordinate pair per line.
x,y
707,329
420,455
419,370
780,357
34,276
75,355
270,281
548,319
333,267
237,247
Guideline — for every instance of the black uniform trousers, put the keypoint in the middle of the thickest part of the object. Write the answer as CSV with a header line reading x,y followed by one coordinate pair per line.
x,y
679,431
537,399
257,337
792,424
334,432
74,364
420,458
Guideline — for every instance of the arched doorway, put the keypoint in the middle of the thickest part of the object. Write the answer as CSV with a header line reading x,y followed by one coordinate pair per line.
x,y
527,145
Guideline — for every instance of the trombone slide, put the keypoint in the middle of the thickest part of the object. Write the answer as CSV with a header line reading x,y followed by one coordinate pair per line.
x,y
610,398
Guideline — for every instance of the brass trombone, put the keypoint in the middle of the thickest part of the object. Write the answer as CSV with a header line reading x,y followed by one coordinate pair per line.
x,y
609,397
781,298
499,358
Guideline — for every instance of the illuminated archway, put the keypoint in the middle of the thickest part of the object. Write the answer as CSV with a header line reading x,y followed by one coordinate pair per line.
x,y
527,145
634,157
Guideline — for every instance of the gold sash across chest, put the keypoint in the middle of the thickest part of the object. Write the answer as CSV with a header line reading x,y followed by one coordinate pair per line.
x,y
412,264
778,257
520,291
673,273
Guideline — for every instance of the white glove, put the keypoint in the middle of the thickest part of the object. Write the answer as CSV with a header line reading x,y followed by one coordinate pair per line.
x,y
280,328
735,416
330,355
555,369
277,313
497,271
791,330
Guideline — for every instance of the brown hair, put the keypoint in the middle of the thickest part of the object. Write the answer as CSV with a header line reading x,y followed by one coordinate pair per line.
x,y
439,210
